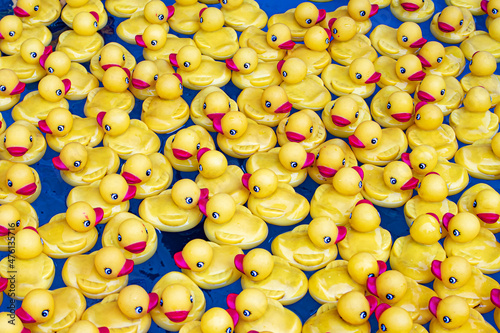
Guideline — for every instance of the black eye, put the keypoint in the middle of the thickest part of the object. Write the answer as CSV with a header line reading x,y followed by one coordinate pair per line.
x,y
442,92
160,17
393,181
311,130
36,8
362,13
389,296
138,310
31,138
148,172
156,77
268,104
215,215
358,76
60,128
114,196
402,70
246,65
204,105
439,59
374,141
9,182
308,21
461,22
494,11
389,105
371,275
58,92
95,24
474,204
422,166
224,2
191,298
274,38
200,167
4,138
77,164
187,64
405,39
45,313
123,57
107,128
256,189
232,132
161,302
198,146
119,237
108,271
11,33
180,86
229,330
200,264
18,223
360,184
335,30
254,273
246,313
327,239
356,115
86,223
383,328
153,42
51,70
284,73
33,54
446,319
3,88
363,315
99,58
343,161
127,80
201,19
189,200
452,280
418,116
456,233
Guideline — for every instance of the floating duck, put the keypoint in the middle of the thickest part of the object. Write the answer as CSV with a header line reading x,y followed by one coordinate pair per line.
x,y
358,78
481,200
268,196
412,10
394,43
490,7
86,326
481,159
453,25
121,8
494,300
304,127
34,12
25,63
343,115
71,233
210,105
10,89
181,301
214,320
18,181
271,45
186,16
483,41
158,45
134,237
482,73
15,216
413,255
440,60
330,157
299,19
145,76
11,323
396,319
358,10
392,107
176,209
404,73
73,7
111,55
23,143
14,32
240,14
446,93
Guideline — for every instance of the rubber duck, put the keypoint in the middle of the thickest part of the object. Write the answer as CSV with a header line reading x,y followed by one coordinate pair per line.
x,y
111,55
445,92
134,237
310,247
440,60
51,310
494,299
186,16
481,200
453,314
456,276
10,89
23,143
174,210
36,12
304,127
155,12
181,301
25,63
199,71
73,7
248,72
341,276
83,42
13,33
181,149
240,15
113,95
404,73
168,111
358,78
3,125
350,314
71,233
432,198
209,265
271,45
268,196
111,193
413,255
11,323
343,115
230,224
121,8
145,76
482,73
394,43
210,105
86,326
158,45
393,107
241,137
18,181
299,19
481,159
466,238
218,177
330,157
453,25
265,106
474,121
358,10
150,174
396,319
412,10
483,41
127,310
347,44
257,313
15,216
338,199
395,289
214,320
490,7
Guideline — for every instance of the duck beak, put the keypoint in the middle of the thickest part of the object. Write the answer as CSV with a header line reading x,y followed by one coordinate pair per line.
x,y
355,142
95,15
180,262
3,232
244,180
18,11
130,178
374,10
67,85
238,262
19,88
130,193
488,217
234,316
58,163
288,45
17,151
24,316
140,41
409,6
436,269
27,190
279,65
172,57
374,78
331,22
284,108
202,206
326,171
99,214
425,96
181,154
294,137
423,61
495,297
446,219
127,268
101,330
371,285
231,65
231,300
177,316
380,309
309,160
484,6
361,174
136,247
99,117
342,232
433,304
418,43
382,266
153,301
340,121
42,125
3,281
372,300
402,117
405,157
418,76
410,185
419,105
108,66
1,36
216,119
445,27
321,15
171,12
140,84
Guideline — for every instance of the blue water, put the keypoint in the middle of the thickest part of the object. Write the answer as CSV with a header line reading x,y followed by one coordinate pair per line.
x,y
54,190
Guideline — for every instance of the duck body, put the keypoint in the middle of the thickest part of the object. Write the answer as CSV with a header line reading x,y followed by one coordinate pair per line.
x,y
384,115
443,139
417,206
120,8
363,23
416,14
474,323
32,154
135,25
219,44
458,35
186,19
288,18
359,46
327,201
265,74
471,126
172,45
310,93
163,115
103,100
385,40
257,39
40,32
376,242
479,160
245,15
69,12
210,73
455,175
84,130
337,80
491,83
468,203
315,61
387,67
7,196
345,131
34,108
250,103
27,72
452,98
480,41
79,48
392,145
317,132
49,11
326,178
229,182
327,319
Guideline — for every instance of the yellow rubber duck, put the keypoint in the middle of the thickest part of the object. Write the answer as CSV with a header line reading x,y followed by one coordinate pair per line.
x,y
350,314
241,14
111,55
440,60
474,6
274,202
310,247
83,42
456,276
347,43
304,127
168,111
358,10
265,106
15,216
11,323
230,224
127,310
18,181
121,8
481,200
51,310
466,238
481,159
3,125
150,174
396,319
209,265
62,127
214,320
36,12
10,89
73,7
257,313
13,33
154,12
338,199
181,301
395,289
330,157
248,72
158,45
26,62
358,78
394,43
404,73
34,269
71,233
113,95
413,255
453,25
219,177
181,149
134,237
186,16
343,115
86,326
483,41
432,198
299,19
482,73
417,11
81,165
22,143
210,105
271,45
111,193
145,76
453,314
392,107
444,92
495,294
490,7
341,276
176,209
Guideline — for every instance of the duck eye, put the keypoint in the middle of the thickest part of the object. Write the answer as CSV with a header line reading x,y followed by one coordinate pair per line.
x,y
191,298
360,184
36,8
461,22
229,330
374,141
4,138
107,128
293,164
156,77
327,41
362,13
452,280
456,233
201,19
255,189
119,237
95,24
335,30
363,315
343,161
161,302
439,59
198,146
356,115
204,105
11,33
308,21
418,116
160,17
77,164
268,104
18,223
215,215
200,264
254,273
422,166
45,313
405,39
138,310
232,132
389,105
51,70
148,172
402,70
393,181
246,65
494,11
86,223
224,2
383,328
33,54
154,42
442,92
358,76
3,88
127,80
327,239
246,313
123,57
311,129
446,319
371,275
187,64
114,196
58,92
108,271
284,73
474,204
180,86
99,58
389,296
189,200
274,38
9,182
60,128
31,138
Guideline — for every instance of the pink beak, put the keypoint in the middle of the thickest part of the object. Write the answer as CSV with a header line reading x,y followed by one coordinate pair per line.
x,y
419,105
99,214
436,269
153,301
409,7
402,117
288,45
216,119
342,232
19,88
95,15
181,154
231,65
24,316
284,108
331,22
445,27
42,124
410,185
425,96
245,178
180,262
380,309
3,281
1,36
295,137
279,65
201,152
371,285
326,171
418,76
418,43
202,206
484,6
446,219
171,11
405,157
3,232
130,193
140,84
140,41
309,160
382,266
100,117
101,330
433,304
321,15
67,85
17,151
340,121
423,61
131,178
374,10
18,11
177,316
173,59
238,262
58,163
234,316
107,66
372,300
355,142
495,297
488,217
136,247
127,268
374,78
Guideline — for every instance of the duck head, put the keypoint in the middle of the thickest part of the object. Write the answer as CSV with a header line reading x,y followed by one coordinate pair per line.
x,y
451,312
27,8
307,14
53,89
132,235
389,286
87,326
409,35
343,28
275,100
294,157
279,37
431,89
423,159
73,157
110,263
344,111
59,122
482,63
9,83
215,106
292,70
185,144
37,307
218,320
409,68
257,264
450,19
82,217
116,79
220,208
111,55
431,54
400,106
145,75
433,188
348,181
156,12
398,177
245,61
454,271
20,179
393,319
364,217
11,28
211,163
32,50
169,86
17,139
463,227
134,302
233,125
29,244
57,63
187,195
86,23
10,220
361,10
176,302
426,229
137,169
317,38
486,205
478,99
355,308
367,135
211,19
362,71
153,38
196,256
364,265
187,59
251,304
114,122
262,183
299,127
114,189
428,117
324,233
329,159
